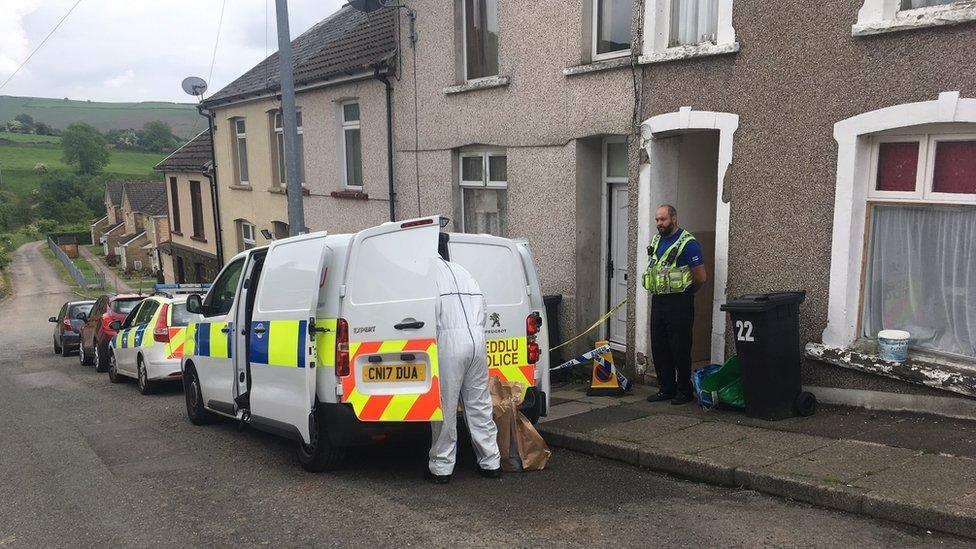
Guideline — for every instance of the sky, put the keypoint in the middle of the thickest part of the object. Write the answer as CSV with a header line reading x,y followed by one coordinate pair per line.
x,y
139,50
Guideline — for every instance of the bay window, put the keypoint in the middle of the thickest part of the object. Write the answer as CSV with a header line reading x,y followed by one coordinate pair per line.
x,y
484,192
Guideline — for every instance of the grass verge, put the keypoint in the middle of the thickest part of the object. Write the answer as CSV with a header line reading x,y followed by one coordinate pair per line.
x,y
63,273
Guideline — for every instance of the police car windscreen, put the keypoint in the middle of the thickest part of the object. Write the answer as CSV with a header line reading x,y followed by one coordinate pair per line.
x,y
181,317
125,306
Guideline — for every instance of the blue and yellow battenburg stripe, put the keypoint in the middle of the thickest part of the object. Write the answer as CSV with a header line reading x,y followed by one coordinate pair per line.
x,y
209,339
280,343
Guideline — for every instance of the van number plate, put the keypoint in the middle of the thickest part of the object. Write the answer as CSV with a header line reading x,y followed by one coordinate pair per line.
x,y
394,373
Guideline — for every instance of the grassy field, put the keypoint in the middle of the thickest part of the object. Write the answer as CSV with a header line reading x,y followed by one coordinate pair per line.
x,y
18,158
28,138
58,113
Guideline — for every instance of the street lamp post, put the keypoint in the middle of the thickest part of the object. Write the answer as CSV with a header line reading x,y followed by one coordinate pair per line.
x,y
296,208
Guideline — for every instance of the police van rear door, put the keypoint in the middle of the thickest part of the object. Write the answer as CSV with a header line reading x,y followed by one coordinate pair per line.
x,y
282,334
496,265
389,313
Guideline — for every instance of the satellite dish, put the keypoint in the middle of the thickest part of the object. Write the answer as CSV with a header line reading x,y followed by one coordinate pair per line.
x,y
194,85
367,6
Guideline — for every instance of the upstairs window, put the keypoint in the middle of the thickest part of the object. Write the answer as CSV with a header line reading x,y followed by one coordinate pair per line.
x,y
611,26
174,194
480,38
880,16
484,192
196,206
240,150
693,22
352,147
280,149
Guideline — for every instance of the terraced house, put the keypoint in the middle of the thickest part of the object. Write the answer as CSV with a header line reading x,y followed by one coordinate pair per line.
x,y
342,68
145,225
192,253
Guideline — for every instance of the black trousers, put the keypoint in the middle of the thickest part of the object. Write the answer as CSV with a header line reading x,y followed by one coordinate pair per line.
x,y
672,317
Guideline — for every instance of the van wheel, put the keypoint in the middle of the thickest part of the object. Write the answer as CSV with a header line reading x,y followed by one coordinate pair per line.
x,y
321,455
113,373
195,412
101,357
146,387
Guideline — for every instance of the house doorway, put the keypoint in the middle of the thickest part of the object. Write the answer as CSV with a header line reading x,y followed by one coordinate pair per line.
x,y
688,157
615,175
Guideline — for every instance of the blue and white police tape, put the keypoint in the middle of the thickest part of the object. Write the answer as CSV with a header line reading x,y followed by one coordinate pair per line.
x,y
596,354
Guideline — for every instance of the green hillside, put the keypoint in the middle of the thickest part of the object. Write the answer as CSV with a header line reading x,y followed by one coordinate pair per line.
x,y
58,113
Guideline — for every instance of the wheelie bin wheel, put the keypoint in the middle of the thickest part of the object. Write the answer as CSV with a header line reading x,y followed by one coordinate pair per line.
x,y
806,404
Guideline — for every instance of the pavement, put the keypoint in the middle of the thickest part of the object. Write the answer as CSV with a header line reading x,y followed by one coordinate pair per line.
x,y
915,469
88,463
112,280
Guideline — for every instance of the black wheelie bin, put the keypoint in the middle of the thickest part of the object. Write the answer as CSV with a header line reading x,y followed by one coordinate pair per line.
x,y
766,328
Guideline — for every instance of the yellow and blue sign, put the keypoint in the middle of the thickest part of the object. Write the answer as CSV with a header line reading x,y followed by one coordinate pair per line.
x,y
278,342
212,339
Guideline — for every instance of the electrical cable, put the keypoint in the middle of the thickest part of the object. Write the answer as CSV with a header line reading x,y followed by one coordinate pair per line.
x,y
39,46
220,23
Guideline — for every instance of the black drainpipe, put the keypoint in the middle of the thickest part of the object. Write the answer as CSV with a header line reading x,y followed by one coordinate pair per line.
x,y
212,176
389,138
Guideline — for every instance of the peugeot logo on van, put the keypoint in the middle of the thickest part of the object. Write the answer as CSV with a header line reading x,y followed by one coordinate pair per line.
x,y
495,322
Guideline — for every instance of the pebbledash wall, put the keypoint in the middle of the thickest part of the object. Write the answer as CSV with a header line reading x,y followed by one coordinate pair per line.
x,y
549,124
781,84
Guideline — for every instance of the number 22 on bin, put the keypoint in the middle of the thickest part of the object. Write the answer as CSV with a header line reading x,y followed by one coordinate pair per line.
x,y
744,330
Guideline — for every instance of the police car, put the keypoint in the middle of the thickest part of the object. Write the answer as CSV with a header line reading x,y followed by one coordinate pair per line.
x,y
150,342
331,339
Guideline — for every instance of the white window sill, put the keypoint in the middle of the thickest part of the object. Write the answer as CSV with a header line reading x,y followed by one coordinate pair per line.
x,y
479,84
950,374
688,52
601,65
920,18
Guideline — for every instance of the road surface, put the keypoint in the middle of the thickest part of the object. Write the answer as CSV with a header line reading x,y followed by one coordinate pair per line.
x,y
87,463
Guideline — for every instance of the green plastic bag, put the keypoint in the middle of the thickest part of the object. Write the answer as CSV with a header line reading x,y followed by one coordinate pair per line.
x,y
723,385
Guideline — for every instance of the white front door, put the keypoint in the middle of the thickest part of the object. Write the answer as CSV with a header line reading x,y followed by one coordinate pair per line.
x,y
617,262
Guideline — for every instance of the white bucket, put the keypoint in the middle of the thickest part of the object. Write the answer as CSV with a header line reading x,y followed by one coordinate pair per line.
x,y
893,345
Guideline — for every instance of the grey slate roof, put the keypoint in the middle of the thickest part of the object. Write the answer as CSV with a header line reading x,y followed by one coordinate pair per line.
x,y
346,42
195,156
148,197
114,189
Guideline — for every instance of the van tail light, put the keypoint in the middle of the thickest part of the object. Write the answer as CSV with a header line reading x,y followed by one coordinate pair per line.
x,y
67,325
342,348
161,330
533,324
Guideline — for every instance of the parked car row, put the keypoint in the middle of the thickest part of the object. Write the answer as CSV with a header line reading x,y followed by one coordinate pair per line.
x,y
127,335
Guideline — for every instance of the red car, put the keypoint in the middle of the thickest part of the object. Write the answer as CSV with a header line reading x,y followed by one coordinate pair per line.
x,y
97,330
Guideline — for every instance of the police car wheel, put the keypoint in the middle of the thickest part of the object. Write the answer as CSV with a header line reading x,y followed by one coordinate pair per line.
x,y
146,387
101,357
113,373
195,411
321,455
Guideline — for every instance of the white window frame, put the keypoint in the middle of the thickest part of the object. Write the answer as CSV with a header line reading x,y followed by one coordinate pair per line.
x,y
349,125
252,241
464,46
279,131
881,16
851,202
242,166
925,177
657,34
593,43
485,182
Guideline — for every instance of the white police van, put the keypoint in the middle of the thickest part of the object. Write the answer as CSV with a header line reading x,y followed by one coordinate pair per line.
x,y
331,339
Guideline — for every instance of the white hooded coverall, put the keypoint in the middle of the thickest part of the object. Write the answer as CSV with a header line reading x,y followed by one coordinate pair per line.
x,y
463,365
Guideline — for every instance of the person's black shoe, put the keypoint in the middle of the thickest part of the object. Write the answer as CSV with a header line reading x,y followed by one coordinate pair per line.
x,y
660,397
490,473
680,399
437,479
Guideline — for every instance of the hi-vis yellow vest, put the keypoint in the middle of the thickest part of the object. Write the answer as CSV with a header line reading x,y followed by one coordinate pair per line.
x,y
662,276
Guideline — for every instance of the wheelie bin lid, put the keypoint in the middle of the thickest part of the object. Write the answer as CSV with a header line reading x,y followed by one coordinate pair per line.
x,y
754,303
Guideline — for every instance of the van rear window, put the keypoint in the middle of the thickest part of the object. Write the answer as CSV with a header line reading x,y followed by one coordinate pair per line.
x,y
497,269
393,267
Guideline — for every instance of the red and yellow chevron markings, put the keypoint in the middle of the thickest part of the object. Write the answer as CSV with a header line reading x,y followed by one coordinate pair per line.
x,y
399,407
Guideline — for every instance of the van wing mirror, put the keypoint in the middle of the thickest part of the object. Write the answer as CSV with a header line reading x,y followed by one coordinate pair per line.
x,y
194,304
115,325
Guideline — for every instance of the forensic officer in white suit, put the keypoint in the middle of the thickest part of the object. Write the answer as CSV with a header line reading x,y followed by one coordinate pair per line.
x,y
463,364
